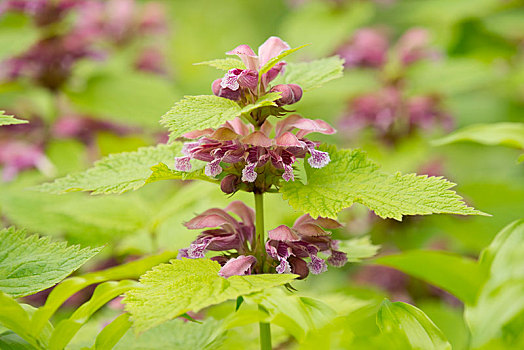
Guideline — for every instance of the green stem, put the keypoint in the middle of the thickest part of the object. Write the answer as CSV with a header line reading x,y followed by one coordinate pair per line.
x,y
265,328
265,334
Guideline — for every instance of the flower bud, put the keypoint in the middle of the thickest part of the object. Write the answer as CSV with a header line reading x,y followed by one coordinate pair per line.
x,y
229,184
218,90
298,267
290,94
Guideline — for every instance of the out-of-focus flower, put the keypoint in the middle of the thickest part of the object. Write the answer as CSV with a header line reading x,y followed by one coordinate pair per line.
x,y
16,156
289,246
367,48
247,150
85,128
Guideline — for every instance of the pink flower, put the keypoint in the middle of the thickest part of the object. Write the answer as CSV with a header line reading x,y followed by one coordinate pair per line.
x,y
239,266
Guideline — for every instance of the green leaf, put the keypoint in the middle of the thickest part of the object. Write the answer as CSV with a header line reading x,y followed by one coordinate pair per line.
x,y
170,290
162,172
224,64
458,275
358,248
15,318
263,101
31,264
199,112
269,64
312,75
70,286
351,177
67,328
10,120
501,298
409,328
504,134
112,333
12,341
176,335
116,173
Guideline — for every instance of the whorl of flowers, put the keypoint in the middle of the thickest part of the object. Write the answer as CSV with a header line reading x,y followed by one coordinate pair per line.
x,y
289,250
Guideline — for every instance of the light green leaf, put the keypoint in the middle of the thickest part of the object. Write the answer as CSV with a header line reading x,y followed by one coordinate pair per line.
x,y
15,318
263,101
199,112
31,264
10,120
224,64
409,328
12,341
170,290
67,328
504,134
351,177
162,172
112,333
358,248
176,335
501,298
70,286
458,275
312,75
116,173
269,64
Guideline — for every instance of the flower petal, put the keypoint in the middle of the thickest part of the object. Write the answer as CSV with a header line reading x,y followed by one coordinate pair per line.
x,y
272,47
245,213
257,138
287,139
238,266
284,234
246,54
182,163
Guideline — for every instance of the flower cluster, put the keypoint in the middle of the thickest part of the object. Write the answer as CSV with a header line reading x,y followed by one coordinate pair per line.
x,y
247,151
49,62
286,247
388,111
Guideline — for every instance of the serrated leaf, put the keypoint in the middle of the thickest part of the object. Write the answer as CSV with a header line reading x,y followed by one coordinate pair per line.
x,y
207,111
312,75
504,134
409,328
163,172
269,64
224,64
176,335
10,120
351,177
31,264
358,248
458,275
199,112
116,173
170,290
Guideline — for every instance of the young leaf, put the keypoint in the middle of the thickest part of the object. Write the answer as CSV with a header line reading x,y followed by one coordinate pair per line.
x,y
112,333
505,134
351,177
31,264
311,75
10,120
15,318
162,172
176,335
263,101
170,290
458,275
67,328
501,298
116,173
277,59
224,64
199,112
70,286
409,328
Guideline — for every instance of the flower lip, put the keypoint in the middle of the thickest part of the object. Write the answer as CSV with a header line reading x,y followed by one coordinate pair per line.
x,y
239,266
284,234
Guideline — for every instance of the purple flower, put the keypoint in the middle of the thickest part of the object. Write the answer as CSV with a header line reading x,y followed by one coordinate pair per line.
x,y
236,144
16,156
289,246
368,48
239,266
223,232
